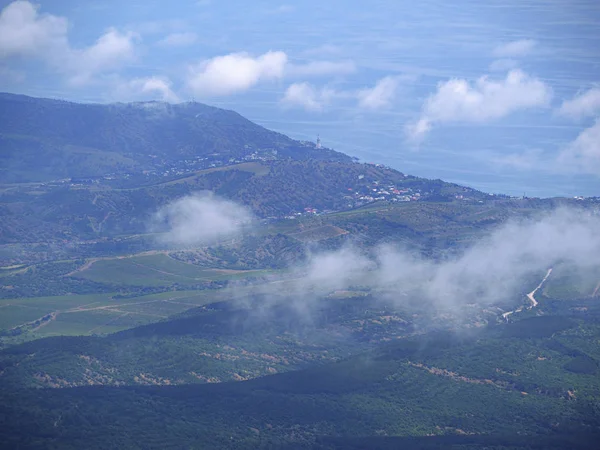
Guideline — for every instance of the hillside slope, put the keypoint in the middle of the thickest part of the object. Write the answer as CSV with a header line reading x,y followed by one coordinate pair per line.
x,y
44,139
506,387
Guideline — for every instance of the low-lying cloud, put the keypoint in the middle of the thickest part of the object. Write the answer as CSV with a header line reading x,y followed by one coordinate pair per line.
x,y
494,269
199,219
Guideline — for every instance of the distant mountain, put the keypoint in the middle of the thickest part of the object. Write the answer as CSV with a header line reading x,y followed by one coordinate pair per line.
x,y
44,139
85,171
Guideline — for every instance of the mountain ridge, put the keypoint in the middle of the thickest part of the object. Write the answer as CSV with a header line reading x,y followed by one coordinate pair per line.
x,y
73,171
45,139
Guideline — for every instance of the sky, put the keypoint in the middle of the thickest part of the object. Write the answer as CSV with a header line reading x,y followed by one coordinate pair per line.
x,y
501,95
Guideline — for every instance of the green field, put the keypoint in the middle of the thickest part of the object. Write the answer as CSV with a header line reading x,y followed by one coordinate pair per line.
x,y
12,315
318,233
93,314
124,299
157,270
255,168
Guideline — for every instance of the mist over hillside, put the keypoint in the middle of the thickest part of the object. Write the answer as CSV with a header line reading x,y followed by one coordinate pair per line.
x,y
492,269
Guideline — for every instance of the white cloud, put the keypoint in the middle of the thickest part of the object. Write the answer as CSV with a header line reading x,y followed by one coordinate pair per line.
x,y
24,32
333,270
157,85
306,96
178,39
146,88
311,98
457,100
503,65
199,219
321,68
380,96
583,154
236,72
416,131
110,51
583,105
514,49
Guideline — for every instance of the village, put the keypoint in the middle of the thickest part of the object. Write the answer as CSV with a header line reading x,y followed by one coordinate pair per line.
x,y
160,170
364,195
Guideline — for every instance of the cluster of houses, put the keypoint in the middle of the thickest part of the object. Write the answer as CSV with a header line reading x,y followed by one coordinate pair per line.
x,y
375,192
364,195
200,163
164,168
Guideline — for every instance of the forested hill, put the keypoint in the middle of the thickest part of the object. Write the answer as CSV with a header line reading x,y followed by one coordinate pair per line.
x,y
72,171
44,139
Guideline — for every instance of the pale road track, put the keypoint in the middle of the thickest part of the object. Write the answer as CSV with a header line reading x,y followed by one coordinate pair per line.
x,y
530,296
596,290
86,308
86,266
108,323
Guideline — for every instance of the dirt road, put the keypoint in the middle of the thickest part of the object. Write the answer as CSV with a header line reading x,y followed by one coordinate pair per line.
x,y
530,296
596,290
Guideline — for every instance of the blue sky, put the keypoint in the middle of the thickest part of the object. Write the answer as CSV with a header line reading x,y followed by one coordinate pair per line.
x,y
499,95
